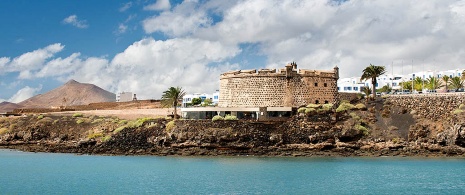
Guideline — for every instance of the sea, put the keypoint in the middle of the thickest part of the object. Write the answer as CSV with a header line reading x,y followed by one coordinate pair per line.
x,y
51,173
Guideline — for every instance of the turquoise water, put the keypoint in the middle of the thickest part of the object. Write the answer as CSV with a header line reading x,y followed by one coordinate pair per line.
x,y
42,173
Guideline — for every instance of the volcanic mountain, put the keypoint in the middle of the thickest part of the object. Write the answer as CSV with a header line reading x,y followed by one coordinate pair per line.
x,y
70,94
8,107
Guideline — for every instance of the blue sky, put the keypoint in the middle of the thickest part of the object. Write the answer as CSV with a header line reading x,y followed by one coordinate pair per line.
x,y
146,46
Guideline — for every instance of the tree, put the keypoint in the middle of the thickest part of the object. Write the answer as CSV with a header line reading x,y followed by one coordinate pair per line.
x,y
196,101
446,80
456,83
406,85
385,88
171,97
418,83
463,75
367,92
372,72
207,102
433,83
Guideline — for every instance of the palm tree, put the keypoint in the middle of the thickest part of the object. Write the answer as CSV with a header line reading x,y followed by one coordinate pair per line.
x,y
433,83
406,85
456,83
171,97
418,83
446,80
367,92
463,75
372,72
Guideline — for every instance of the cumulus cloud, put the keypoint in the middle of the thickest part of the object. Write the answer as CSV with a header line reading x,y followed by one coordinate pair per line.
x,y
159,5
24,93
183,20
73,20
29,61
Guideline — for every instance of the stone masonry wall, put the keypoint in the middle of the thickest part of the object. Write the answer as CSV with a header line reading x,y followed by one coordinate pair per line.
x,y
287,88
433,107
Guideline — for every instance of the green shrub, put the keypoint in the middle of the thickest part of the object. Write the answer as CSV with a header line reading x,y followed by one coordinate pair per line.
x,y
301,110
78,115
119,129
462,107
99,120
362,129
95,135
343,107
327,107
309,110
457,111
354,116
230,118
40,116
313,106
360,106
3,130
105,138
123,122
170,126
79,121
217,117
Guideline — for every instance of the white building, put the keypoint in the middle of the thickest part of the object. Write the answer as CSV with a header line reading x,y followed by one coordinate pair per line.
x,y
354,85
124,97
203,96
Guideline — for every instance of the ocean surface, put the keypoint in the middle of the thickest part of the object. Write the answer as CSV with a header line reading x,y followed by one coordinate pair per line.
x,y
44,173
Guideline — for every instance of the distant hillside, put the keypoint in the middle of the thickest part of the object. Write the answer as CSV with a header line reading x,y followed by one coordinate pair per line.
x,y
8,107
70,94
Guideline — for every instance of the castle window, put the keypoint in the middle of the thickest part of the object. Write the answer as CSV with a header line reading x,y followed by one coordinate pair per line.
x,y
317,102
326,101
316,84
325,84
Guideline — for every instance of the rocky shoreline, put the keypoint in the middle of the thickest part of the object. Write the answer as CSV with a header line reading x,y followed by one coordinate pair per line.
x,y
300,136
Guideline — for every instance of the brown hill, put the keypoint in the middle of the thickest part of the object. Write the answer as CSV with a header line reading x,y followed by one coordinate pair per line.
x,y
70,94
8,107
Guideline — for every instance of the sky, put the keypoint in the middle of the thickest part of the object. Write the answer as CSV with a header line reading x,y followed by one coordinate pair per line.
x,y
147,46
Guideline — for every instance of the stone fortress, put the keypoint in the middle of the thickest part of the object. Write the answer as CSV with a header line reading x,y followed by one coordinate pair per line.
x,y
286,87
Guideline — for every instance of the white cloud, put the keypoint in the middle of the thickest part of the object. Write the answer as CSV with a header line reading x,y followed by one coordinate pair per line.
x,y
125,7
29,61
122,28
24,94
183,20
159,5
352,34
73,20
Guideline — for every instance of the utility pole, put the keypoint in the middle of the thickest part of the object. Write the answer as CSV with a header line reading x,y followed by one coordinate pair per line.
x,y
413,77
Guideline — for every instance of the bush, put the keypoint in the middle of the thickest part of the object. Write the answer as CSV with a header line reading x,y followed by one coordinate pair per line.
x,y
97,120
309,110
361,106
80,121
301,110
170,126
462,107
327,107
343,107
457,111
217,117
78,115
119,129
40,117
354,116
123,122
106,138
362,129
230,118
4,130
95,135
313,106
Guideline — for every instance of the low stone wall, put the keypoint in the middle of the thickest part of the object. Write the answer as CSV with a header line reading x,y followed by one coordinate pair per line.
x,y
430,106
348,96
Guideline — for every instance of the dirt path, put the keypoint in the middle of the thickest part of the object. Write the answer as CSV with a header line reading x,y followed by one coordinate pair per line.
x,y
129,114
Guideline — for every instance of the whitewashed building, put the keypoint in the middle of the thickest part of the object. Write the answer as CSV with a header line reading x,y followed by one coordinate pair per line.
x,y
203,96
124,97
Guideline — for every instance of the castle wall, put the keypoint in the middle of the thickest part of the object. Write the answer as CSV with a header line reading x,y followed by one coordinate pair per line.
x,y
287,88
